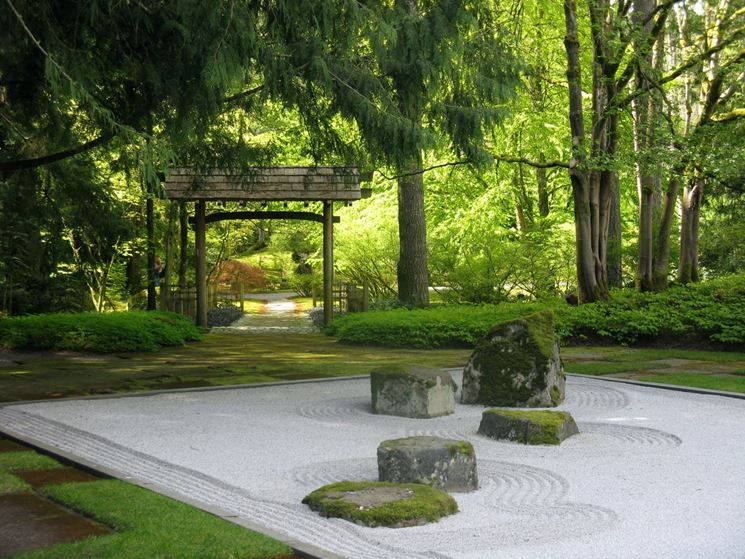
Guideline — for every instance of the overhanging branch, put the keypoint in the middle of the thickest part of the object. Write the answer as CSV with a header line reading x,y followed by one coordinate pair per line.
x,y
12,166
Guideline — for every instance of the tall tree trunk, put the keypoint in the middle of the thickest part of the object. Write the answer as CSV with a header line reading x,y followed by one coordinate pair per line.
x,y
541,179
615,274
644,110
413,277
412,269
689,219
150,219
661,263
588,286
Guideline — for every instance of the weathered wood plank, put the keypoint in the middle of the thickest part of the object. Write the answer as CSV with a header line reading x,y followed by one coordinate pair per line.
x,y
262,182
289,195
266,183
270,172
263,214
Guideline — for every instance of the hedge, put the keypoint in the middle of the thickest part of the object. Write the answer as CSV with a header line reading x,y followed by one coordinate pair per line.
x,y
712,312
102,333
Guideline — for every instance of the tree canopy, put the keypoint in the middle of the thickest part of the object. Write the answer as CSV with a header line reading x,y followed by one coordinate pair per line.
x,y
520,148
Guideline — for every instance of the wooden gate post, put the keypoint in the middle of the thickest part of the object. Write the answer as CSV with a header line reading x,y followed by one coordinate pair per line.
x,y
200,243
328,262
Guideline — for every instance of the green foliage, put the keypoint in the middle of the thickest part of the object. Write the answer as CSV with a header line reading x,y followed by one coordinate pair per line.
x,y
710,312
104,333
437,326
424,504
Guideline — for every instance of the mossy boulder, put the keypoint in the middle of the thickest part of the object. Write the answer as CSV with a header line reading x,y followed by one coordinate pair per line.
x,y
516,365
528,427
412,391
447,464
373,503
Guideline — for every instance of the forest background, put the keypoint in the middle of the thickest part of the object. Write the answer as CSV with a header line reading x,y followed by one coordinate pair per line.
x,y
521,149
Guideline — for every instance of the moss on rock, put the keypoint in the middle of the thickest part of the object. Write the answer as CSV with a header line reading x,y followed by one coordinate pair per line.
x,y
375,503
534,427
516,364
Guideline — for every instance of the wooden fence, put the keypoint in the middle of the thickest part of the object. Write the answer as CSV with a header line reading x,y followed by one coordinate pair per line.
x,y
347,298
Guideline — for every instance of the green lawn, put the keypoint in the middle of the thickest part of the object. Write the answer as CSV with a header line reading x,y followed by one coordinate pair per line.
x,y
702,369
220,359
147,525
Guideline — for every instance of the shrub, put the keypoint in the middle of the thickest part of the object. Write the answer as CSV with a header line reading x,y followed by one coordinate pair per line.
x,y
437,326
223,315
710,312
103,333
234,272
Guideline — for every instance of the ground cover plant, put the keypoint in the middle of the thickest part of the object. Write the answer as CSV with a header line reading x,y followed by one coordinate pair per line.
x,y
221,359
711,313
95,332
145,524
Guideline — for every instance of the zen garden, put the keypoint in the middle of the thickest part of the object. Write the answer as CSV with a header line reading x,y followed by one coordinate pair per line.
x,y
402,279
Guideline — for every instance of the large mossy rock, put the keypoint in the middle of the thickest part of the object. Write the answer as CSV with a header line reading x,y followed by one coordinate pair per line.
x,y
372,503
447,464
516,365
412,391
529,427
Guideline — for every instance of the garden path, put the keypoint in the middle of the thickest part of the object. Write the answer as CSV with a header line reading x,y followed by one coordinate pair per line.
x,y
279,314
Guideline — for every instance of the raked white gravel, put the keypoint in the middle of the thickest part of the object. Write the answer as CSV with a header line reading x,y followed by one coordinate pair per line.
x,y
654,474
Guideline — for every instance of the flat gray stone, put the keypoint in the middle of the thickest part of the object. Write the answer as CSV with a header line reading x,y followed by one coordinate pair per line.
x,y
447,464
412,391
528,427
516,365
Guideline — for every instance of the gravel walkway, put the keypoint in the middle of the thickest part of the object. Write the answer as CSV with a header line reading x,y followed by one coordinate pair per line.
x,y
280,315
654,474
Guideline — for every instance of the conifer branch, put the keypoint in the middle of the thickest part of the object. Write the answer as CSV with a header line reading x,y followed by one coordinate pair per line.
x,y
422,171
530,163
244,94
499,158
11,166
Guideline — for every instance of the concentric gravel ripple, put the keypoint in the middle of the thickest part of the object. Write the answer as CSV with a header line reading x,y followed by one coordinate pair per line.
x,y
586,395
343,537
531,507
323,473
632,437
512,487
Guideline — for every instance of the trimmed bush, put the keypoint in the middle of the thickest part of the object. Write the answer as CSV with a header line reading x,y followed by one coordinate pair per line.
x,y
223,316
711,312
101,333
437,326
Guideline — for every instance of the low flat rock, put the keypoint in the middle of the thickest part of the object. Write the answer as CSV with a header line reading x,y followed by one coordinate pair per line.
x,y
412,391
529,427
375,504
447,464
